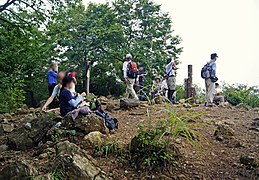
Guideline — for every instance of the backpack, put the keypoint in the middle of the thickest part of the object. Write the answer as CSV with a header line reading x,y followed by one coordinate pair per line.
x,y
206,71
132,70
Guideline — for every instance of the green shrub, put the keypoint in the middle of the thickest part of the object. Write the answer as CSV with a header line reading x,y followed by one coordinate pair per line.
x,y
153,147
240,93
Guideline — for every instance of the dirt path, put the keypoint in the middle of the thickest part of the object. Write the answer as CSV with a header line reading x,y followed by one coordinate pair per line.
x,y
212,159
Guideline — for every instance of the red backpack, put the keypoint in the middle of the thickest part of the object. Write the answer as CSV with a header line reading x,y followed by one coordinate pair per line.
x,y
132,71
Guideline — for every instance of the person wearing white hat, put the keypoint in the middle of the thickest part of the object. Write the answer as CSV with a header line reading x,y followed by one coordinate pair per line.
x,y
130,74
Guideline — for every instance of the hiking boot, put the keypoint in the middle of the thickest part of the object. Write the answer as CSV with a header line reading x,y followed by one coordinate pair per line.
x,y
174,102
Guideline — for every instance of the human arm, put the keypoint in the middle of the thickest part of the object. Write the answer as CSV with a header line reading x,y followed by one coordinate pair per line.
x,y
124,69
51,98
53,74
76,101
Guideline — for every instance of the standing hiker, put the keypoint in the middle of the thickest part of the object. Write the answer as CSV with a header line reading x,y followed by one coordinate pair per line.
x,y
208,73
170,79
130,74
52,77
140,86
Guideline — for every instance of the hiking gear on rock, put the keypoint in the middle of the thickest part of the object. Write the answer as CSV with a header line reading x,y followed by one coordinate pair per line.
x,y
111,123
132,70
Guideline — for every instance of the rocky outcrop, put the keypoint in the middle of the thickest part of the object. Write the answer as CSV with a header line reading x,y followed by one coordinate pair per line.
x,y
85,123
18,170
75,163
22,138
128,103
250,160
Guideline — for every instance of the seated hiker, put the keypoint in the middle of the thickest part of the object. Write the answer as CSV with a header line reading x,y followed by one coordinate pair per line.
x,y
156,87
219,99
164,87
68,102
55,94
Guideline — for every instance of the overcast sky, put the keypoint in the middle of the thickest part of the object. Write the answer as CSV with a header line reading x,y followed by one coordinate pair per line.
x,y
227,27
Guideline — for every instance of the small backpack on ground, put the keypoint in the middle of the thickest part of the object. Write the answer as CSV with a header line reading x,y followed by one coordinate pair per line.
x,y
206,71
111,123
132,70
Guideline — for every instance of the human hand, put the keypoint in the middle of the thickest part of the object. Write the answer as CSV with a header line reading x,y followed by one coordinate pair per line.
x,y
83,94
44,108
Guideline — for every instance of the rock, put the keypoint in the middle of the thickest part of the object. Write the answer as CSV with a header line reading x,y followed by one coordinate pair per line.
x,y
3,148
7,128
103,100
7,116
1,117
18,170
22,139
27,126
43,156
85,124
43,177
128,103
250,160
109,97
75,163
95,138
224,131
255,125
110,107
24,107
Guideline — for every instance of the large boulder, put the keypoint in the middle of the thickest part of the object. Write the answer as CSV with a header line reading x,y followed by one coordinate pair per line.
x,y
85,123
18,170
250,160
22,138
75,163
128,103
224,130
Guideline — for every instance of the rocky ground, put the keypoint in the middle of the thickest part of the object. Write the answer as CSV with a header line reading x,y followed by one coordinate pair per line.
x,y
31,147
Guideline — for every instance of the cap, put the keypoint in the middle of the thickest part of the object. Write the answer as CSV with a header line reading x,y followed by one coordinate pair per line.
x,y
141,65
128,56
213,56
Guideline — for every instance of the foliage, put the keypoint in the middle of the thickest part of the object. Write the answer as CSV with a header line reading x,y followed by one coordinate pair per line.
x,y
34,33
56,175
153,147
240,93
106,149
180,92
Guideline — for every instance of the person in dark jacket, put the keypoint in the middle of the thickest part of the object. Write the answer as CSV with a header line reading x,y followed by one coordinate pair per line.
x,y
68,102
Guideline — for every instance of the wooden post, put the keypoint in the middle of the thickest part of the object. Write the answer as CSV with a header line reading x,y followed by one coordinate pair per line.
x,y
188,83
87,77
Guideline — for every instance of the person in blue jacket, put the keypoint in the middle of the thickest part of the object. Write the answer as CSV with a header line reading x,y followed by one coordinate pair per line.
x,y
52,77
67,101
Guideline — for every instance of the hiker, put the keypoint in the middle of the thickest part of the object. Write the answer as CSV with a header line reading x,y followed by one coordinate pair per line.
x,y
130,74
218,98
140,86
72,73
68,102
208,73
52,77
156,87
53,99
164,87
170,79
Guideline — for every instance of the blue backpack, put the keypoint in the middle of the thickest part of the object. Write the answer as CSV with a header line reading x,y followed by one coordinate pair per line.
x,y
206,71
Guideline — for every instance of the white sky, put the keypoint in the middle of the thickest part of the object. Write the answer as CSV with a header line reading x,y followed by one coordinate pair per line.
x,y
227,27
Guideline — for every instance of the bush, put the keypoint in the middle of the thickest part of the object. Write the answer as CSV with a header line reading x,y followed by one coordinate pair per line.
x,y
153,148
240,93
11,95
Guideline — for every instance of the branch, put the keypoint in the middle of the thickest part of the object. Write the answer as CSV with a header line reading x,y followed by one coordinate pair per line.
x,y
6,5
17,16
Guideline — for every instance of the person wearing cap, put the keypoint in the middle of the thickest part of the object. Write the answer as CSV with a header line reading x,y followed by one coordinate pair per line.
x,y
156,87
139,87
171,81
210,82
130,82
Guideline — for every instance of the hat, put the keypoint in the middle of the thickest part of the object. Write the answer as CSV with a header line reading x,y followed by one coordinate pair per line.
x,y
141,65
213,56
128,56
